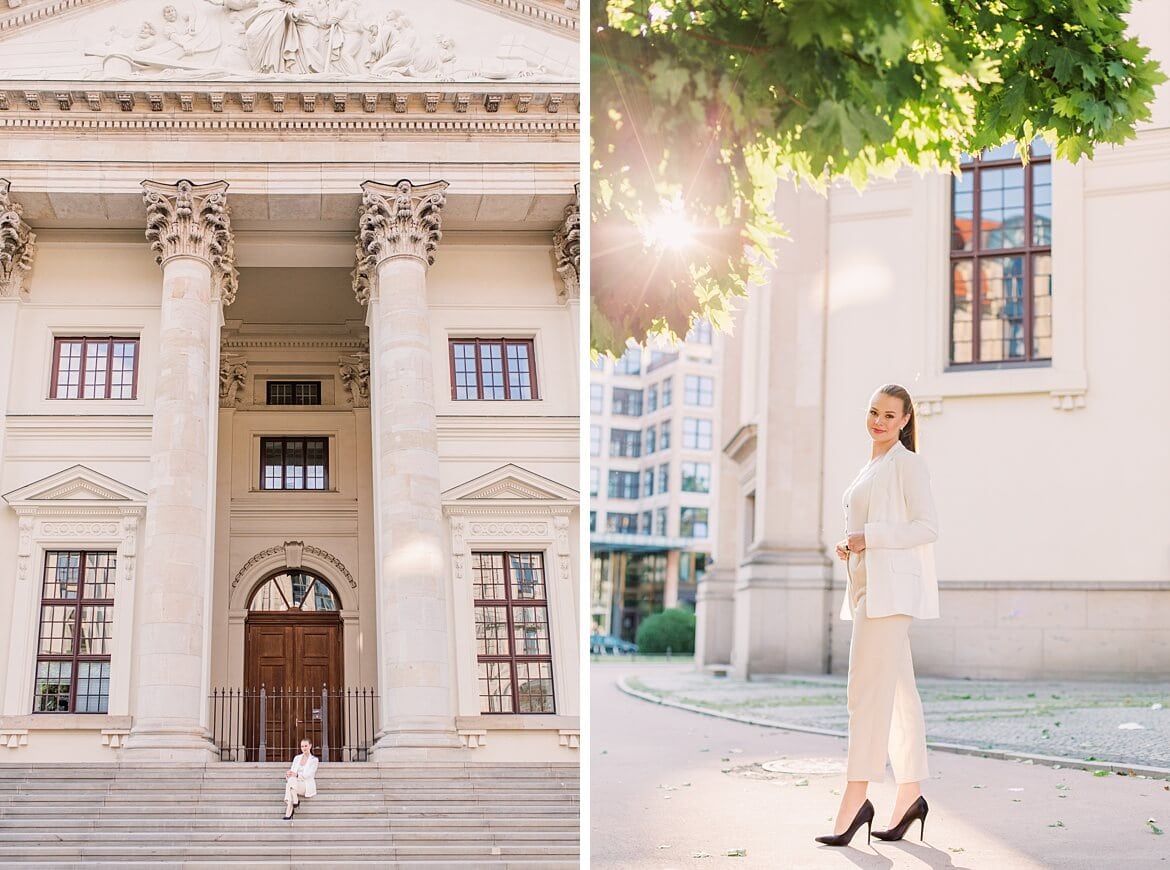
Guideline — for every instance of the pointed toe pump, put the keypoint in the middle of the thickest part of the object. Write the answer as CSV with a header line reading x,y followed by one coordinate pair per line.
x,y
864,817
917,811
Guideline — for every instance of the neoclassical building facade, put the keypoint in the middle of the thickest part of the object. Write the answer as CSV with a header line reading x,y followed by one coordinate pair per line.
x,y
289,330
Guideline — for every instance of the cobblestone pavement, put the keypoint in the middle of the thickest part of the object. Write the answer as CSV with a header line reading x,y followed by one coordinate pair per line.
x,y
1124,723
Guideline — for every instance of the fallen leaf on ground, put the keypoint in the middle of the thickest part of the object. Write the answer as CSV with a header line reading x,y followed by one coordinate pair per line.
x,y
1153,827
978,786
1062,786
956,849
1020,789
737,853
1100,773
700,854
1059,824
664,845
800,782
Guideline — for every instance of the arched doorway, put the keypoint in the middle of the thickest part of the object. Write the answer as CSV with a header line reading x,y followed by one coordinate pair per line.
x,y
293,649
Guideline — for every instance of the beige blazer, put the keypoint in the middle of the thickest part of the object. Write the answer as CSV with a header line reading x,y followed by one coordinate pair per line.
x,y
306,773
900,531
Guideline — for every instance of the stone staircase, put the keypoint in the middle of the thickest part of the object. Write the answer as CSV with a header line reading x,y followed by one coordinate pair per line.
x,y
426,814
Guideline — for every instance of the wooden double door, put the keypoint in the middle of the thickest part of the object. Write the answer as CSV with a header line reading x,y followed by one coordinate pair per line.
x,y
294,655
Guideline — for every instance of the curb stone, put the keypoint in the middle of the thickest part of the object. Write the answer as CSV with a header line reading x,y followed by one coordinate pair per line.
x,y
957,748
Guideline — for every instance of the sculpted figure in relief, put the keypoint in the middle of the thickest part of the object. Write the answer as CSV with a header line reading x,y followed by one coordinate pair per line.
x,y
280,35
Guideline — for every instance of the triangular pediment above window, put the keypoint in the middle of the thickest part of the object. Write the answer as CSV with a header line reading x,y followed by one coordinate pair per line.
x,y
77,485
511,483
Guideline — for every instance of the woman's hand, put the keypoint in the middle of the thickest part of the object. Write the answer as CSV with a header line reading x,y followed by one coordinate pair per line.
x,y
856,542
843,551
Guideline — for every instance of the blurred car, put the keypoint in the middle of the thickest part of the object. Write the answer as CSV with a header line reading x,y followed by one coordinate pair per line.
x,y
607,644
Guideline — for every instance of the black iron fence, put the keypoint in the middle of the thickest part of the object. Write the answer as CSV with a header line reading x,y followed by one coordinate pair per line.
x,y
263,724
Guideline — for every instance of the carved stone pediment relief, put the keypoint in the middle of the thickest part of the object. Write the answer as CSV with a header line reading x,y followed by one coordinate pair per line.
x,y
295,40
509,483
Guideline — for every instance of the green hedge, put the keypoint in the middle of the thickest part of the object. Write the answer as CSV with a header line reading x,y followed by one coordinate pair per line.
x,y
670,629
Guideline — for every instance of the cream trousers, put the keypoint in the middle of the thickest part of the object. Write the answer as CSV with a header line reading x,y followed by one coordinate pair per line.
x,y
294,789
885,712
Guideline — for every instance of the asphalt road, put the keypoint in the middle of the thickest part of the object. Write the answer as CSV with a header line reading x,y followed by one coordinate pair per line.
x,y
673,789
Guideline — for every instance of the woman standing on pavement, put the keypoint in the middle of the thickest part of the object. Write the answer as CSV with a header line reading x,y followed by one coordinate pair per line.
x,y
889,555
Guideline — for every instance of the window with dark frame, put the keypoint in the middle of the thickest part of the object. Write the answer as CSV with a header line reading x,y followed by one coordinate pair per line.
x,y
294,392
1001,258
692,522
621,524
513,647
94,368
697,434
699,390
623,484
625,442
696,477
627,403
76,632
294,463
493,369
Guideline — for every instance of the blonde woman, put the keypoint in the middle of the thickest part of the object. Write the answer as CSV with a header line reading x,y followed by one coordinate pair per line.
x,y
888,550
300,779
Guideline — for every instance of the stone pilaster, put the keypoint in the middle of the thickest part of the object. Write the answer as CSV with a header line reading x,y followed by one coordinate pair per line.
x,y
399,228
189,228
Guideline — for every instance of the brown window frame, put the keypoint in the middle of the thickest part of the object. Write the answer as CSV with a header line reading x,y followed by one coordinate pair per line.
x,y
513,658
503,344
79,603
86,340
284,440
976,165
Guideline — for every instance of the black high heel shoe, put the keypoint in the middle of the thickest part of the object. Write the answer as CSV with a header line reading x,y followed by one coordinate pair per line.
x,y
864,817
917,810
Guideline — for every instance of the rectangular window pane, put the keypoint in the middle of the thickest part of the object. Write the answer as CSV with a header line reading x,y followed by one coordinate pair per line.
x,y
273,460
962,292
534,686
99,575
294,464
1001,326
491,363
315,464
963,200
62,575
58,624
97,354
487,571
596,398
495,687
68,370
527,571
491,631
122,370
1042,306
93,687
54,682
1042,204
466,377
519,371
530,631
627,403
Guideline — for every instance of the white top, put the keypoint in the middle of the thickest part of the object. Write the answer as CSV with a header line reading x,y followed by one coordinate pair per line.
x,y
856,498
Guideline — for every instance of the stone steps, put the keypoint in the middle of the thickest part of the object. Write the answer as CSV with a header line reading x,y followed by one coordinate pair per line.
x,y
392,815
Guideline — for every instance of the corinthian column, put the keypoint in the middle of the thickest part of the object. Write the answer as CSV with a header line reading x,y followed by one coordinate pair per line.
x,y
397,235
190,232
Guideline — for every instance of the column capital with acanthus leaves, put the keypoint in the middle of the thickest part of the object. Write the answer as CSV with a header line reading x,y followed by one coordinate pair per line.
x,y
396,220
193,220
17,246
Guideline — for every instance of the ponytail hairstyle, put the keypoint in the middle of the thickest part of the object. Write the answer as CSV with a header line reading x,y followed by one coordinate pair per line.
x,y
909,434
